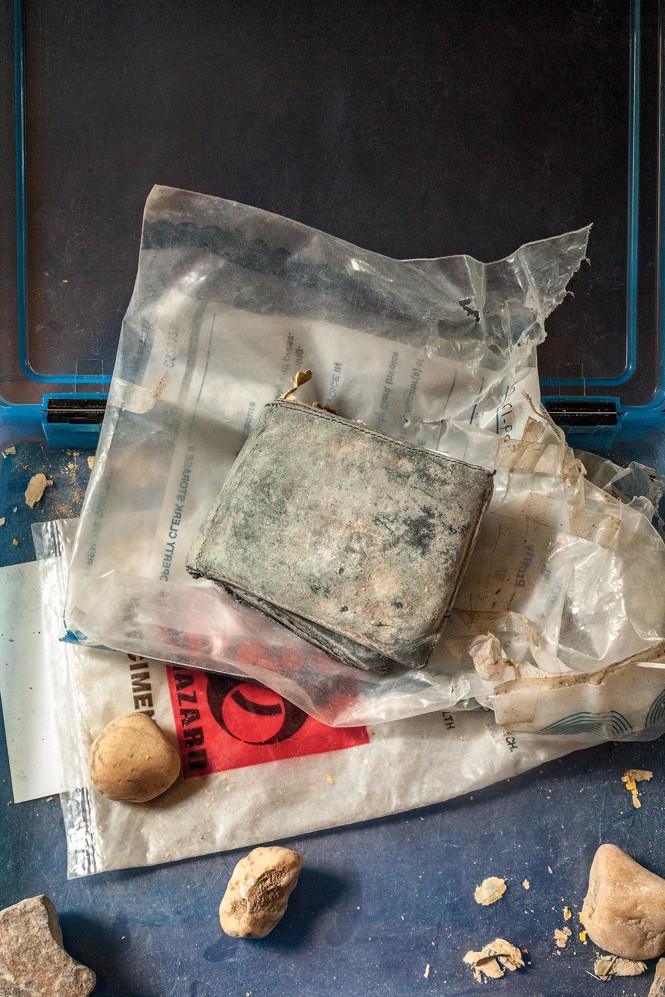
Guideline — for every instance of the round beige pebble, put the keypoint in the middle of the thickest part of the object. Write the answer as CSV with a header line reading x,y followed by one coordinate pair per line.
x,y
258,891
133,760
624,909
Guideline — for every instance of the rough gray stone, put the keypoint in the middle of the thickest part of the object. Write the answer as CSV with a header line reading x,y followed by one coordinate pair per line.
x,y
33,962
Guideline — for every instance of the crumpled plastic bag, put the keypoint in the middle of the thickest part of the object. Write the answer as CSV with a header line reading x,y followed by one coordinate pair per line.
x,y
566,579
255,768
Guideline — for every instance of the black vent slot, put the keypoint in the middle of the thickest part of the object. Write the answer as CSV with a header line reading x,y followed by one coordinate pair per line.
x,y
80,411
583,412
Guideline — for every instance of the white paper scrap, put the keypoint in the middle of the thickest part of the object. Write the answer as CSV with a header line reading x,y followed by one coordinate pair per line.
x,y
32,742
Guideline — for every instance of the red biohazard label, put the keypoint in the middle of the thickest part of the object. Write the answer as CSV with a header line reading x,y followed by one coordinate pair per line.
x,y
228,723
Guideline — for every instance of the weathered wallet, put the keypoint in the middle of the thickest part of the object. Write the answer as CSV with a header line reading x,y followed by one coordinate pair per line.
x,y
352,539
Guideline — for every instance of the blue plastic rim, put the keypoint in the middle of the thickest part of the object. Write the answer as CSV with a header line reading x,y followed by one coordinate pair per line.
x,y
633,223
560,384
21,219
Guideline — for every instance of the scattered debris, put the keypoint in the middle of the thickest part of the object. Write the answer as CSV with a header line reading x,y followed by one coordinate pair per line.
x,y
658,985
426,973
6,453
258,891
561,936
15,542
329,779
583,938
36,487
526,884
91,462
494,959
624,909
549,869
2,520
607,966
567,914
15,509
489,891
631,777
32,956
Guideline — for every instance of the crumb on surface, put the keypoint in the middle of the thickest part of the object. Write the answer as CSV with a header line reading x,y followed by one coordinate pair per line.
x,y
630,778
494,959
489,891
561,936
607,966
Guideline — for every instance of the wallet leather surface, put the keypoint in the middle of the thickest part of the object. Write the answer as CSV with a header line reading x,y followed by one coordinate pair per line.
x,y
354,540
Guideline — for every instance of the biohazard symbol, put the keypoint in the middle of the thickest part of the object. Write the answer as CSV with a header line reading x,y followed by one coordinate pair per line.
x,y
226,723
251,713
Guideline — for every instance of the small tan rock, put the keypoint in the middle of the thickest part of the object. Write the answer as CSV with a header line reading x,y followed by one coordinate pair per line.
x,y
36,487
33,962
561,936
258,891
624,909
133,760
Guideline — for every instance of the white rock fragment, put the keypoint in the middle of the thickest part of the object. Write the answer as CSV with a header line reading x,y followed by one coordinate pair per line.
x,y
259,891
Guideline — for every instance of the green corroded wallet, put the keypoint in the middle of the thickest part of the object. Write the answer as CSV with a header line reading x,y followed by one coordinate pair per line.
x,y
352,539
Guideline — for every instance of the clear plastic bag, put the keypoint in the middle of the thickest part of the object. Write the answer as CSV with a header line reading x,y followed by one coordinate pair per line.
x,y
248,776
229,301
